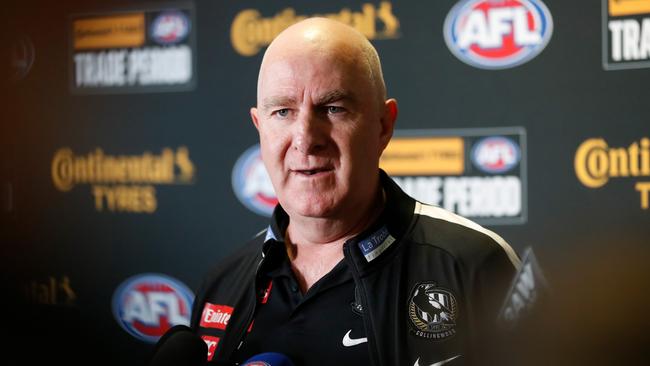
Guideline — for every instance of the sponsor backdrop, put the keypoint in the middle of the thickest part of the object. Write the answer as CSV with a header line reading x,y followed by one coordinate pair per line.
x,y
130,166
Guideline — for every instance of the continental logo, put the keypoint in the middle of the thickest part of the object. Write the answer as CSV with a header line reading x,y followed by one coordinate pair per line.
x,y
596,163
50,291
127,30
122,183
424,156
250,31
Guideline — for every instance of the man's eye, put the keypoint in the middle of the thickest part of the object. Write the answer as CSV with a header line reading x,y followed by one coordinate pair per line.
x,y
282,112
334,109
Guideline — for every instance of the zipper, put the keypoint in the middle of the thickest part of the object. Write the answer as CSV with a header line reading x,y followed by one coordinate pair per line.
x,y
242,335
364,302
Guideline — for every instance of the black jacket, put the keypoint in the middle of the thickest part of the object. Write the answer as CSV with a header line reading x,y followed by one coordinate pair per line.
x,y
430,284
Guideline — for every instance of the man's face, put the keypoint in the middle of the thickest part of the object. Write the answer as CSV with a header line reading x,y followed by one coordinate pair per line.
x,y
321,132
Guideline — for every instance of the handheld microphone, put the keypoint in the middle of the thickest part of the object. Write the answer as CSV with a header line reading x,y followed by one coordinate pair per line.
x,y
268,359
529,288
180,346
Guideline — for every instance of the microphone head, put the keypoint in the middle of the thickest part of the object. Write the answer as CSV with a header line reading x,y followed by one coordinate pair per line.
x,y
528,291
269,359
180,346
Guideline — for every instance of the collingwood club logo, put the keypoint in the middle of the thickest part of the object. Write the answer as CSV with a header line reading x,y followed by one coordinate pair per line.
x,y
433,311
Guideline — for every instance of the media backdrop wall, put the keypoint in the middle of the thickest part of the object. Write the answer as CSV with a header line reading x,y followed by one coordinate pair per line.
x,y
130,166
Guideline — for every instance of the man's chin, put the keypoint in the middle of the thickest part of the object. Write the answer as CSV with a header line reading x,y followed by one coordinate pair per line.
x,y
315,208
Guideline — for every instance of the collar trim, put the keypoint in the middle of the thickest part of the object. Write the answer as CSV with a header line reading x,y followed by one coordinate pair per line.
x,y
396,220
376,243
270,234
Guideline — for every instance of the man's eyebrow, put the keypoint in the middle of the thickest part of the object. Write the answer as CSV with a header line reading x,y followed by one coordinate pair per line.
x,y
329,97
274,101
334,96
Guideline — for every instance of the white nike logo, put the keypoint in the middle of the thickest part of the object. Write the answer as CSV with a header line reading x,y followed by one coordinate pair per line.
x,y
349,342
439,363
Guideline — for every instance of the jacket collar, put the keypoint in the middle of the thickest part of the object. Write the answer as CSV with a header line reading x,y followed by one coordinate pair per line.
x,y
371,244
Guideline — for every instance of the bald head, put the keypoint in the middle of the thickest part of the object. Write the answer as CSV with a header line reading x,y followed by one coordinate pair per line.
x,y
329,39
323,122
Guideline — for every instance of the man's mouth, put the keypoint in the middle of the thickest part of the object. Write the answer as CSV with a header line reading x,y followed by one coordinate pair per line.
x,y
312,172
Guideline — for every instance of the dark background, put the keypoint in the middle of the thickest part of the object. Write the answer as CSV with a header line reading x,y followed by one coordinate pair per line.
x,y
561,97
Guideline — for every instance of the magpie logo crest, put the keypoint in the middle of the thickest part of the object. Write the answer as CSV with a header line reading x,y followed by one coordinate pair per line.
x,y
433,311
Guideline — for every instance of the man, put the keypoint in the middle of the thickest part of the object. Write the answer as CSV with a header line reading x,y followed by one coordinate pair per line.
x,y
351,270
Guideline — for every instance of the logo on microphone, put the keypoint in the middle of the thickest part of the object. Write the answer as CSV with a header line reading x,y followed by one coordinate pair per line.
x,y
216,316
433,311
147,305
492,34
252,184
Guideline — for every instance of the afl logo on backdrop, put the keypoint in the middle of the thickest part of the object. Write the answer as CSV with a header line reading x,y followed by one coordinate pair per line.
x,y
252,184
497,34
147,305
495,154
170,27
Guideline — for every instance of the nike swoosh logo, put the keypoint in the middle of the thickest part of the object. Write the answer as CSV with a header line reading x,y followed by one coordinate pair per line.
x,y
439,363
349,342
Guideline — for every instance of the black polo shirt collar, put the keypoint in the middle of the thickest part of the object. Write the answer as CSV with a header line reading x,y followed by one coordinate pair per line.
x,y
383,236
277,263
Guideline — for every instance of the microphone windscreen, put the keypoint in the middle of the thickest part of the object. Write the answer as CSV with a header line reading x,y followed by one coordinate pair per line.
x,y
269,359
180,346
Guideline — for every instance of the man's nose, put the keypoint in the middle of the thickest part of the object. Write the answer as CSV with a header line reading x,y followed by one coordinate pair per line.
x,y
310,134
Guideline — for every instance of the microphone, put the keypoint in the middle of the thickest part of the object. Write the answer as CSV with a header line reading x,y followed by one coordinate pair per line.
x,y
268,359
529,289
180,346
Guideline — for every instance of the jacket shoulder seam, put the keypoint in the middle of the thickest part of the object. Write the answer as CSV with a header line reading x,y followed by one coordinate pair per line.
x,y
442,214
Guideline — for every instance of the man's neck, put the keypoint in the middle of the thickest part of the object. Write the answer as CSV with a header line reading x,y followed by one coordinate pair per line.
x,y
315,245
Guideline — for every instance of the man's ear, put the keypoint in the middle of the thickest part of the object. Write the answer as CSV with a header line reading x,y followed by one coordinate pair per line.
x,y
255,118
388,122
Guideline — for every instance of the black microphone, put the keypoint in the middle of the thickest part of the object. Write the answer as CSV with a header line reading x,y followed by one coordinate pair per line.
x,y
528,291
180,346
268,359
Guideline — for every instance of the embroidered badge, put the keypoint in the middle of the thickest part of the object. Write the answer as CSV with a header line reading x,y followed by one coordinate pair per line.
x,y
433,311
376,243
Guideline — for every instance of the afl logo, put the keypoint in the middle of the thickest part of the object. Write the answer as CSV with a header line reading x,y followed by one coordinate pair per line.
x,y
495,154
147,305
433,311
252,184
498,34
170,27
